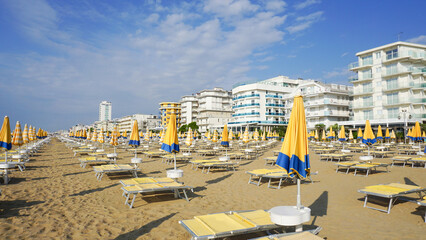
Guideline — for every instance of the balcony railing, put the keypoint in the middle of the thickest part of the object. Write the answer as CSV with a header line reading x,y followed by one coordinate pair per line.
x,y
273,96
246,96
274,105
246,105
353,65
245,114
363,64
394,71
274,114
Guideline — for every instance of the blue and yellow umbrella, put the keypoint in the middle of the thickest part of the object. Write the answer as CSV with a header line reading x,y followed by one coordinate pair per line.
x,y
225,141
215,136
342,136
379,133
17,135
188,141
416,134
359,135
134,136
171,143
5,136
387,135
25,135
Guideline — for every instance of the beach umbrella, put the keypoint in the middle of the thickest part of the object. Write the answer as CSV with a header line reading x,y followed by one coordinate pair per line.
x,y
134,137
416,134
409,134
94,136
31,135
179,135
108,134
101,138
256,136
246,137
393,135
17,135
424,135
163,135
387,135
330,134
5,137
359,135
25,135
171,142
351,136
230,135
39,134
316,134
225,137
342,136
369,138
189,138
215,136
150,134
114,137
70,134
125,134
84,136
294,153
209,137
323,135
264,136
195,135
141,134
379,133
146,138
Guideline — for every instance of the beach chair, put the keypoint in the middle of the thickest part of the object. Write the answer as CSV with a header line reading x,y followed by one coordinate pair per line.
x,y
152,188
196,163
169,158
144,180
270,160
260,173
219,164
368,167
391,191
400,159
155,154
114,168
345,165
423,203
93,160
418,160
220,225
304,235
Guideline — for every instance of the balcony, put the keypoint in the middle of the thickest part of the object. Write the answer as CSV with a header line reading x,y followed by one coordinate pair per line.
x,y
274,105
405,56
245,114
364,105
396,102
396,87
246,105
274,114
395,71
273,96
364,91
356,66
245,96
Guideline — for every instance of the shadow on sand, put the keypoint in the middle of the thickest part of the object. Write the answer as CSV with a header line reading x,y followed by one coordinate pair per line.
x,y
82,193
12,208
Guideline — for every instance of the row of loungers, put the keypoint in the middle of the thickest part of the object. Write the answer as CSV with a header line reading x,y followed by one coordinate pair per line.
x,y
360,166
270,174
410,160
208,164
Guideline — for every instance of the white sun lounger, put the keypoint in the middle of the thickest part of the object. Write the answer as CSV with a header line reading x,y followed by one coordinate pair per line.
x,y
89,160
114,168
391,191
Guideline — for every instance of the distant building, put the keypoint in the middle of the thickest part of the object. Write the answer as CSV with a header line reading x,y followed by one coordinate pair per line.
x,y
389,83
145,121
105,111
189,112
167,109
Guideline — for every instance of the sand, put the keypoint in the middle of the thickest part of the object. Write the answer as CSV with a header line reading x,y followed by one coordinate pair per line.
x,y
54,198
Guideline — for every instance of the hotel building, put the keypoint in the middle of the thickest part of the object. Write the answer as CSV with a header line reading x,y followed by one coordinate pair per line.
x,y
105,110
168,108
389,84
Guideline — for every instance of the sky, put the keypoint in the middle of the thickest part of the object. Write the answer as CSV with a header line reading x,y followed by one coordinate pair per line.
x,y
60,59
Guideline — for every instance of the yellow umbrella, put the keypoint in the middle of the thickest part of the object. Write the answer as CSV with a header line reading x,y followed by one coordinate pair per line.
x,y
189,138
114,137
416,134
424,135
316,135
387,135
163,135
107,134
17,135
125,134
359,135
369,138
84,134
246,137
101,137
323,135
94,136
141,134
393,135
379,133
330,133
25,137
5,137
256,135
171,142
146,138
209,137
342,136
225,141
294,154
215,136
230,135
134,137
409,133
351,136
264,136
195,134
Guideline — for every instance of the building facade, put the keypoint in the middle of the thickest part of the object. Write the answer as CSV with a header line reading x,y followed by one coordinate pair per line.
x,y
261,104
324,103
168,108
145,121
105,111
389,84
189,109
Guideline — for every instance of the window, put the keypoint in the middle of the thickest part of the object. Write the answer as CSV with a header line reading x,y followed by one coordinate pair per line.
x,y
378,69
378,55
368,60
392,83
392,98
393,112
368,114
379,98
391,69
366,74
392,54
367,87
368,101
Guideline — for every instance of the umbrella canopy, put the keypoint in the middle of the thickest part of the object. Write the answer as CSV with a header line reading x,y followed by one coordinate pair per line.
x,y
246,137
195,135
146,138
387,135
209,137
316,134
342,136
189,138
84,136
379,133
171,143
264,136
17,135
369,138
424,135
141,134
393,135
215,136
94,136
5,137
225,141
25,137
416,134
323,135
39,134
256,136
331,134
134,136
409,134
108,134
230,135
89,134
359,135
125,134
163,135
101,136
114,136
294,154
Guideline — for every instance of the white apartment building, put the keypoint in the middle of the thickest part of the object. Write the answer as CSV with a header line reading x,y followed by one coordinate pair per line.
x,y
261,104
105,111
189,109
210,108
388,81
125,124
324,103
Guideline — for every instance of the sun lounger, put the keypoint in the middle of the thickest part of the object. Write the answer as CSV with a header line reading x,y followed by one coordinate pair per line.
x,y
419,160
220,225
304,235
144,180
169,158
336,156
260,173
345,165
381,154
91,160
270,160
391,191
155,154
367,167
196,163
153,187
220,164
399,159
114,168
206,152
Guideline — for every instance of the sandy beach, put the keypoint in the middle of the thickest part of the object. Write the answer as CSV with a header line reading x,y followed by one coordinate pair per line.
x,y
54,198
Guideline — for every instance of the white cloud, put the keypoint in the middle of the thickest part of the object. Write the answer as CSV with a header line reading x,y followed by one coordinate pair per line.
x,y
420,39
304,22
230,8
292,56
305,4
276,5
344,54
342,72
311,17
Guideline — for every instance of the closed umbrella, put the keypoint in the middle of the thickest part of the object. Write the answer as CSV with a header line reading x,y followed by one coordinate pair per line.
x,y
163,135
393,135
215,136
379,135
94,136
134,137
171,142
294,154
369,138
359,135
17,135
5,136
351,136
342,136
189,138
316,135
25,135
264,136
101,138
146,138
323,135
387,135
114,137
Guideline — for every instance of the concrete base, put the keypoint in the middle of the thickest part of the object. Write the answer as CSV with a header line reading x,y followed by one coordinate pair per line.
x,y
175,173
224,158
289,215
136,160
366,158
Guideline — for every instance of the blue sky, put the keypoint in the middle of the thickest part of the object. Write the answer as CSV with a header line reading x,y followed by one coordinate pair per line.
x,y
60,59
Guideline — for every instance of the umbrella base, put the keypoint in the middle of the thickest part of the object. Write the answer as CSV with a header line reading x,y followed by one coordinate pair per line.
x,y
175,173
366,158
290,215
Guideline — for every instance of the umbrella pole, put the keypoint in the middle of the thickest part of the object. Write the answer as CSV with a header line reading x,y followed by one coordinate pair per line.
x,y
136,153
174,156
5,159
299,204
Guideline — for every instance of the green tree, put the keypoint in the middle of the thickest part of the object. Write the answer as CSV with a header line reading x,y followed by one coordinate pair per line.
x,y
183,128
193,126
